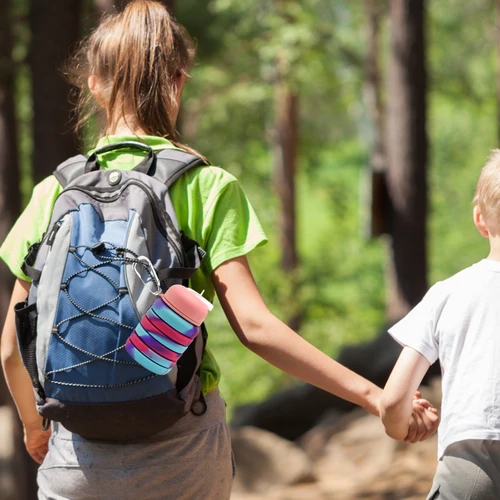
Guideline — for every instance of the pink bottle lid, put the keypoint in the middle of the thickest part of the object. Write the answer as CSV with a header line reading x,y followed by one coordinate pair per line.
x,y
187,303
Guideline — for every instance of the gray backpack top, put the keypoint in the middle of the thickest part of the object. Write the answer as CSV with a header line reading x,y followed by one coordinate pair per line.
x,y
92,282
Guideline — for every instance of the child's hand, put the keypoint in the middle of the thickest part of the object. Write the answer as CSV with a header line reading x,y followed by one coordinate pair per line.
x,y
423,423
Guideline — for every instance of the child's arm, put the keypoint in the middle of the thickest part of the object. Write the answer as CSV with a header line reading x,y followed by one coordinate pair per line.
x,y
19,382
397,405
263,333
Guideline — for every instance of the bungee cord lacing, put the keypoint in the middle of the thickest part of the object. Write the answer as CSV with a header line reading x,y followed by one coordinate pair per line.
x,y
122,255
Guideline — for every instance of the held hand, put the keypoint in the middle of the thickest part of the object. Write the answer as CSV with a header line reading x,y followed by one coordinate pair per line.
x,y
423,421
36,441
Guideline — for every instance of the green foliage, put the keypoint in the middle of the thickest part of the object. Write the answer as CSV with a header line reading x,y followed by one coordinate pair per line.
x,y
462,128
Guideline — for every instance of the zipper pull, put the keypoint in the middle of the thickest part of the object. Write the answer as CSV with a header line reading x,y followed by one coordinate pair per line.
x,y
52,235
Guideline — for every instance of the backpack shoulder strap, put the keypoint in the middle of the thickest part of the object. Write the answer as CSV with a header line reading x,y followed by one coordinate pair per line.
x,y
70,169
173,163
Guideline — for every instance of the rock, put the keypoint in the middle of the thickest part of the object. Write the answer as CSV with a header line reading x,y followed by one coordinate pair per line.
x,y
353,459
265,462
356,455
314,441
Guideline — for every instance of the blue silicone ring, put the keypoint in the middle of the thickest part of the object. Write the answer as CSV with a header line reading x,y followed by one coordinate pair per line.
x,y
170,317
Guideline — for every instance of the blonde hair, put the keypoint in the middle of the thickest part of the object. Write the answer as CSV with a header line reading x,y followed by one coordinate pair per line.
x,y
487,196
136,55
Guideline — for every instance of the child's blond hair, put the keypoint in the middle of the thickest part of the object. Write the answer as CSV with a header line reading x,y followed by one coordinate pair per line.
x,y
487,196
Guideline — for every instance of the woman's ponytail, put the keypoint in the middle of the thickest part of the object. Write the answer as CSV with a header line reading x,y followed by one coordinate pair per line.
x,y
138,56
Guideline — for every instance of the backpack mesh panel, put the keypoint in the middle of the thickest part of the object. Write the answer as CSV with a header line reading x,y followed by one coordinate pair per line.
x,y
25,317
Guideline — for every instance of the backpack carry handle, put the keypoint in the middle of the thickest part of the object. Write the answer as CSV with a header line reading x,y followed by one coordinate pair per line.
x,y
144,166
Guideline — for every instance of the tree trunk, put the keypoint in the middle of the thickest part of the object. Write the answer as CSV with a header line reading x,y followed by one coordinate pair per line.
x,y
407,158
497,32
378,199
23,468
55,29
285,161
285,157
373,91
170,4
10,205
284,145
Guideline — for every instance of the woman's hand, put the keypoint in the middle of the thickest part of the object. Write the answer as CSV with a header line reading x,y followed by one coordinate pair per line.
x,y
36,441
19,382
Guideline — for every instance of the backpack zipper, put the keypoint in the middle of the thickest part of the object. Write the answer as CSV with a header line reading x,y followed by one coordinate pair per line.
x,y
156,205
53,232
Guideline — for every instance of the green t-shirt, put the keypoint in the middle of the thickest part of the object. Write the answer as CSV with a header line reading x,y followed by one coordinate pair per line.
x,y
210,206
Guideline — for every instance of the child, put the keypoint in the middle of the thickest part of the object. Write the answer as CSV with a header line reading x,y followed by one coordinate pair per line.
x,y
458,322
135,64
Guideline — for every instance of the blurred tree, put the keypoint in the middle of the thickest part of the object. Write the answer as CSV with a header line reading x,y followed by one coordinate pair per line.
x,y
497,33
373,87
10,204
23,467
285,144
375,109
407,158
105,5
170,4
55,30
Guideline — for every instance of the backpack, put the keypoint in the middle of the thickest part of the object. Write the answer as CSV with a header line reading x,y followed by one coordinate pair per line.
x,y
112,233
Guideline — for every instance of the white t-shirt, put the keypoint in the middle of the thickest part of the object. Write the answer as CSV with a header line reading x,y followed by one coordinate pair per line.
x,y
458,321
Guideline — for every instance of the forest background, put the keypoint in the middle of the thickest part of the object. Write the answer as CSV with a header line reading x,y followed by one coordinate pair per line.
x,y
289,81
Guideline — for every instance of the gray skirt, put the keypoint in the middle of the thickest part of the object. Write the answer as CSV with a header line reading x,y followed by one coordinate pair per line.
x,y
191,460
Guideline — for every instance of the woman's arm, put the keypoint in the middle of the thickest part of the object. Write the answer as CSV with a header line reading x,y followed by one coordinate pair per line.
x,y
263,333
19,382
396,404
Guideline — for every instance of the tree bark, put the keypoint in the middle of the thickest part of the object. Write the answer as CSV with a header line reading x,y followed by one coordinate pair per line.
x,y
285,158
55,30
23,468
407,158
378,199
284,144
497,32
170,4
285,162
10,204
373,88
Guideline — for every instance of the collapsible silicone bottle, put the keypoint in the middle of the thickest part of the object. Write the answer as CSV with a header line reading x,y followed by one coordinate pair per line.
x,y
167,329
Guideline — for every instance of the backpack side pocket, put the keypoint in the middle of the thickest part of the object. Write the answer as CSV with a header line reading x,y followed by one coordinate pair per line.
x,y
26,318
